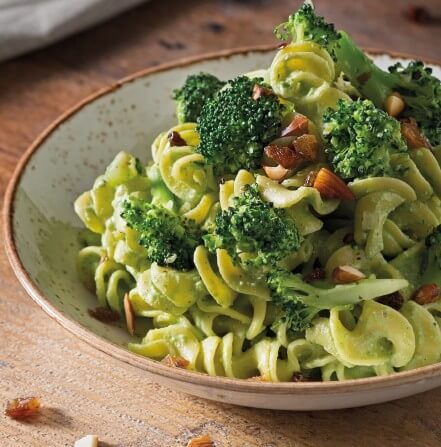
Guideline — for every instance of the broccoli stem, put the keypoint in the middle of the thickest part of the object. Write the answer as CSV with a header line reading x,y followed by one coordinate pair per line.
x,y
342,295
368,78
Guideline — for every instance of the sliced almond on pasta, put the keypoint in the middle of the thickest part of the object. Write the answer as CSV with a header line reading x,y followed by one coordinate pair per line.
x,y
331,186
130,315
427,294
345,274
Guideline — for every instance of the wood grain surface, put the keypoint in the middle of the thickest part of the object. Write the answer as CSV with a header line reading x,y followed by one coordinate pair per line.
x,y
85,391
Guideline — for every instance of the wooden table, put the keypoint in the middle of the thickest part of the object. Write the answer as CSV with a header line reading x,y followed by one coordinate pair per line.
x,y
85,391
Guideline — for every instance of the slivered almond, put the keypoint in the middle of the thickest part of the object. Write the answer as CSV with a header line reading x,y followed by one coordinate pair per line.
x,y
298,126
345,274
259,91
307,146
414,138
175,361
283,155
394,104
175,139
130,315
330,186
201,441
310,179
427,294
277,173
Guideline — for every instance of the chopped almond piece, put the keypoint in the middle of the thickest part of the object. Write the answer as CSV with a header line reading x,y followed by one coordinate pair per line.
x,y
259,91
307,146
23,407
330,186
310,179
427,294
299,377
130,315
87,441
282,155
315,275
175,139
345,274
414,138
257,379
277,173
201,441
394,300
297,127
175,362
394,104
104,314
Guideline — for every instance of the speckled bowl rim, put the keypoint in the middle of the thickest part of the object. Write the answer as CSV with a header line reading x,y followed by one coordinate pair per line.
x,y
152,366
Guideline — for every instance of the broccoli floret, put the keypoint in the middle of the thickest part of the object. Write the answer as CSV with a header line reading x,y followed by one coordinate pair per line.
x,y
299,302
254,229
420,90
305,25
195,92
422,94
432,265
169,240
360,139
234,127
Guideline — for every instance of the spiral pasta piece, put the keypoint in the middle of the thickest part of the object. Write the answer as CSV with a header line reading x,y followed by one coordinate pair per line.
x,y
304,73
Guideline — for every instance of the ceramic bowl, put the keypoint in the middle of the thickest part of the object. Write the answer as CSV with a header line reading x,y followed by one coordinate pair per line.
x,y
41,229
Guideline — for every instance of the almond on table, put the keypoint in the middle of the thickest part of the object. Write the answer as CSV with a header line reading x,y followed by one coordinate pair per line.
x,y
201,441
87,441
23,408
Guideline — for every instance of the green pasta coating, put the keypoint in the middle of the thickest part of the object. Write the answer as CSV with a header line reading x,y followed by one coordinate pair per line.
x,y
432,265
254,227
169,240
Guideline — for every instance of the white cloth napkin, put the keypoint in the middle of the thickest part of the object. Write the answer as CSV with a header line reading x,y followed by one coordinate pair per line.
x,y
29,24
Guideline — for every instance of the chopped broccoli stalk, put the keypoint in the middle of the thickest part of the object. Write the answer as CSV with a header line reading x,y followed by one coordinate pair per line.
x,y
432,265
300,302
234,127
420,90
169,240
254,229
360,139
195,92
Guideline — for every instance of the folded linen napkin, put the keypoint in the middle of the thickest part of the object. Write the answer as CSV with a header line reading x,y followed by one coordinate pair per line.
x,y
29,24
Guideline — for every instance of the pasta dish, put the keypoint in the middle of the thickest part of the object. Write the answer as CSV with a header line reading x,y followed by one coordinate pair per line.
x,y
288,226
